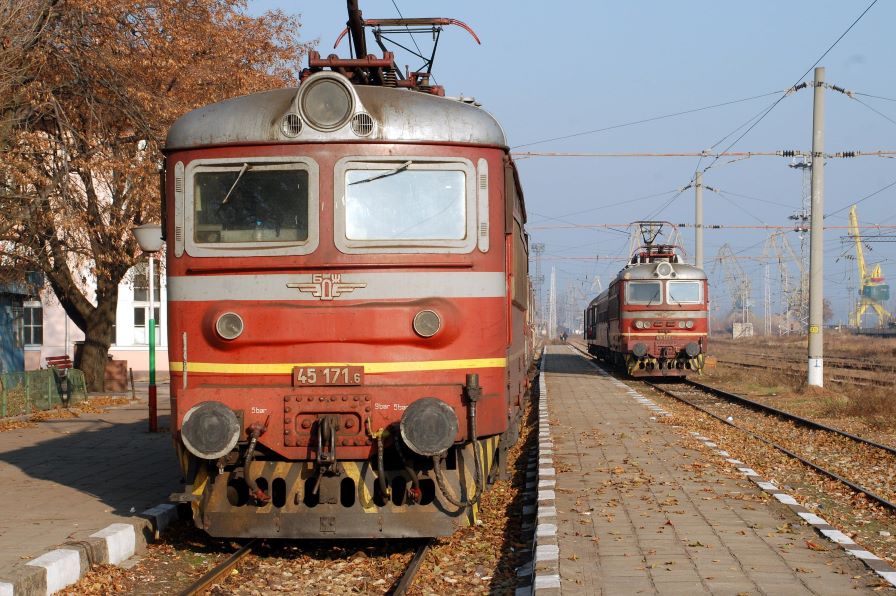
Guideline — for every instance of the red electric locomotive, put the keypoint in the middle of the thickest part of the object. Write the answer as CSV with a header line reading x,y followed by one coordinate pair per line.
x,y
348,301
653,319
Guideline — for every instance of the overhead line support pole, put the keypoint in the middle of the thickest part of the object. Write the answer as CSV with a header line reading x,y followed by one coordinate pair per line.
x,y
698,220
816,239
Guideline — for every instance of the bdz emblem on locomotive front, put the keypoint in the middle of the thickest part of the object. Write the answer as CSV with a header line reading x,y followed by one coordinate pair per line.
x,y
326,286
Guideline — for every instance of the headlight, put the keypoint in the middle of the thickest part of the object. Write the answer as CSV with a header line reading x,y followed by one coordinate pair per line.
x,y
229,325
210,430
689,324
428,426
664,270
681,324
326,102
427,323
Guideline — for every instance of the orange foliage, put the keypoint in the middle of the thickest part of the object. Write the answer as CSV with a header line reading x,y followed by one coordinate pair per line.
x,y
88,89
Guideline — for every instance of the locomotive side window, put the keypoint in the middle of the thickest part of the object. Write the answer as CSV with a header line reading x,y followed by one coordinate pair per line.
x,y
643,292
685,292
245,206
404,204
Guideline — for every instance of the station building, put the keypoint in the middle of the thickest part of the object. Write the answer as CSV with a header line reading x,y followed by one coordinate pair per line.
x,y
46,330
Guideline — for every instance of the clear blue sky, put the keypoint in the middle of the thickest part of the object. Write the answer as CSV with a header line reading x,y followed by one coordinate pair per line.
x,y
551,69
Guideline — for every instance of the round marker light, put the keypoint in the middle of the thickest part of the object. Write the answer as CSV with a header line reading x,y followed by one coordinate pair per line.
x,y
427,323
210,430
229,325
681,324
326,102
689,324
640,324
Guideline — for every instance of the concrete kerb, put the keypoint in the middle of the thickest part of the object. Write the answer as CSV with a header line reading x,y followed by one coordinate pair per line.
x,y
64,566
546,548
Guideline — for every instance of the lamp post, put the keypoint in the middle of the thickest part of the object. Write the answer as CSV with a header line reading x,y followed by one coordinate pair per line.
x,y
149,237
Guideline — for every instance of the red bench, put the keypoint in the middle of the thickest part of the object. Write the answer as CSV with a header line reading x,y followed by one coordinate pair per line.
x,y
62,364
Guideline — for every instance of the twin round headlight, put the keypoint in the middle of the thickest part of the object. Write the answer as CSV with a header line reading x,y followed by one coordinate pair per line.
x,y
681,324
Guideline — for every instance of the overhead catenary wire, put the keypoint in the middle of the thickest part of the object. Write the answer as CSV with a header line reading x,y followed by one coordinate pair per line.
x,y
789,153
874,96
615,204
865,198
795,85
413,39
876,111
644,120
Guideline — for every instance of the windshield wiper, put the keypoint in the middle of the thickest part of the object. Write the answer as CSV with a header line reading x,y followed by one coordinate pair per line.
x,y
392,172
235,182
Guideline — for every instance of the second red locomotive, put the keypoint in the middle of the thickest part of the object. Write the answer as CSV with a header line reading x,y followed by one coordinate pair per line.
x,y
653,319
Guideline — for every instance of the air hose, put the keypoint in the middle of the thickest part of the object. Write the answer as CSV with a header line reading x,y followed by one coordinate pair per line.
x,y
474,392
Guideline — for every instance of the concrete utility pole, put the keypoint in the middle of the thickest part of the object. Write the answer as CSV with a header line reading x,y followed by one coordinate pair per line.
x,y
552,306
538,282
816,239
698,220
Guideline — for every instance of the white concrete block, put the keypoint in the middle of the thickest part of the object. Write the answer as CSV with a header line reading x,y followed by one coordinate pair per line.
x,y
63,567
121,541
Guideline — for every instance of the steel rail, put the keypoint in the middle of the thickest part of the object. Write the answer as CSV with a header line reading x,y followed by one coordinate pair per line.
x,y
824,471
786,415
844,363
217,573
410,573
835,377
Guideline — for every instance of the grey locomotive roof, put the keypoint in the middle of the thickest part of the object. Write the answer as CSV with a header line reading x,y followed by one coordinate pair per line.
x,y
399,115
646,271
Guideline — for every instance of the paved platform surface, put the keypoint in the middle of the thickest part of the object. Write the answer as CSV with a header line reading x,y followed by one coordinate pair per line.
x,y
640,509
66,478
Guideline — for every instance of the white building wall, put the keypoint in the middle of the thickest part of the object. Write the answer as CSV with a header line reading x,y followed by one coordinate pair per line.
x,y
60,333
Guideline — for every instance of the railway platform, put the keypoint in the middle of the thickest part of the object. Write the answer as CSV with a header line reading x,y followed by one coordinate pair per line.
x,y
82,490
630,503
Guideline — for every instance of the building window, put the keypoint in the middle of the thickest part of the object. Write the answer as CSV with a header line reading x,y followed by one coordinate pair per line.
x,y
33,324
141,283
140,324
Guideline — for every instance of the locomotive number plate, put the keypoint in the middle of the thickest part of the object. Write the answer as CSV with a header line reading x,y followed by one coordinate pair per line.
x,y
330,375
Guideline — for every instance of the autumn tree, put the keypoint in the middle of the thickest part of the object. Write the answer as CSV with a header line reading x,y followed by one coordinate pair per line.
x,y
95,87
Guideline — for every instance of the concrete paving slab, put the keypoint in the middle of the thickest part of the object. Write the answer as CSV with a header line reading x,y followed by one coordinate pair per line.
x,y
81,484
663,520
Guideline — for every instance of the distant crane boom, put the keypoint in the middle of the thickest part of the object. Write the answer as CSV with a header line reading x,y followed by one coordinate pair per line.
x,y
873,289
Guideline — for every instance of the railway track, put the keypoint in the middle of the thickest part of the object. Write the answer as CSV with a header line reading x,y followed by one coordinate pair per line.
x,y
220,571
829,361
829,451
831,372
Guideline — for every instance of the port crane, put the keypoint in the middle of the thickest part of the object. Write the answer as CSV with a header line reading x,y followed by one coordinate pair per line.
x,y
873,289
